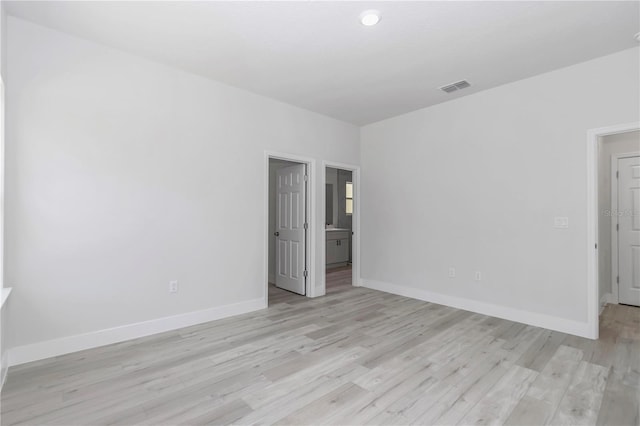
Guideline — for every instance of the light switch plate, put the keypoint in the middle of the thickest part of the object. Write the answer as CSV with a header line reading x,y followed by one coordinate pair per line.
x,y
561,222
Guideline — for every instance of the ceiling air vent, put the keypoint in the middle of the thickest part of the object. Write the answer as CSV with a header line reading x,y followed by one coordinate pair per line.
x,y
458,85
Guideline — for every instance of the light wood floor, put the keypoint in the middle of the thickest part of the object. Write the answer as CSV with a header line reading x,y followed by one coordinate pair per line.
x,y
338,279
355,356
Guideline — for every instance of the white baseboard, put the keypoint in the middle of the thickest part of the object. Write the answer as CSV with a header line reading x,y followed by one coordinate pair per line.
x,y
530,318
4,368
606,298
50,348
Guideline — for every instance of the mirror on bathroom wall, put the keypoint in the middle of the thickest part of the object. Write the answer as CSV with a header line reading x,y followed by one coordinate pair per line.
x,y
329,204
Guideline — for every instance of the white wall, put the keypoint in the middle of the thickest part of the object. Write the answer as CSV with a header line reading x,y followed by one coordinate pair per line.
x,y
124,174
477,183
615,144
3,40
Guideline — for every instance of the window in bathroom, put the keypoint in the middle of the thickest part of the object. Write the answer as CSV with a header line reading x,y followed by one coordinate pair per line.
x,y
349,197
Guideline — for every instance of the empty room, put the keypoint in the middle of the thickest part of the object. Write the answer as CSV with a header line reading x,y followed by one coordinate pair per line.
x,y
320,212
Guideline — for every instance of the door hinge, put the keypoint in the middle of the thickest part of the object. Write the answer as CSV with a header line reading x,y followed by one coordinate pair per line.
x,y
306,225
305,273
306,178
617,227
618,280
617,175
596,246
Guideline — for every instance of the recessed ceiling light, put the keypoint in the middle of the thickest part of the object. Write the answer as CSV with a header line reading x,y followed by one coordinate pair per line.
x,y
370,17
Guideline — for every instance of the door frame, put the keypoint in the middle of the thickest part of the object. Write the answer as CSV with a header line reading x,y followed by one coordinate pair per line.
x,y
355,224
310,287
615,270
593,302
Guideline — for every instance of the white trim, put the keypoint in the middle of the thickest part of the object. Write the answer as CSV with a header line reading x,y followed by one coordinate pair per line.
x,y
4,295
355,223
4,353
310,289
4,360
563,325
593,301
50,348
614,232
606,299
2,177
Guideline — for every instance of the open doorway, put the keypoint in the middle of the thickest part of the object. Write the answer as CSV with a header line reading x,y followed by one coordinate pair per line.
x,y
338,229
340,222
619,218
288,229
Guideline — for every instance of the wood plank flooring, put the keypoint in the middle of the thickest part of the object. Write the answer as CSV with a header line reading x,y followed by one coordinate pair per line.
x,y
355,356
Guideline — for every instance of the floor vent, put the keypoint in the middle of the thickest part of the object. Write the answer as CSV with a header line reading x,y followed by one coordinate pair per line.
x,y
458,85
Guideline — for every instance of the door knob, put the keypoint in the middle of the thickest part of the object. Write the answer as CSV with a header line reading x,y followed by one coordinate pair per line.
x,y
277,234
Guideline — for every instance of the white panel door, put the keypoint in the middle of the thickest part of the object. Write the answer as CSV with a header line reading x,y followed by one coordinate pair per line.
x,y
290,228
629,230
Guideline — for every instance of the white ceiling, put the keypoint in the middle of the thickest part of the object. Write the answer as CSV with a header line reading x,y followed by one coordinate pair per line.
x,y
316,54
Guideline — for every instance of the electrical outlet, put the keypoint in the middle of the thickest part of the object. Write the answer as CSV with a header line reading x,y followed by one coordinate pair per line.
x,y
478,275
452,272
173,286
